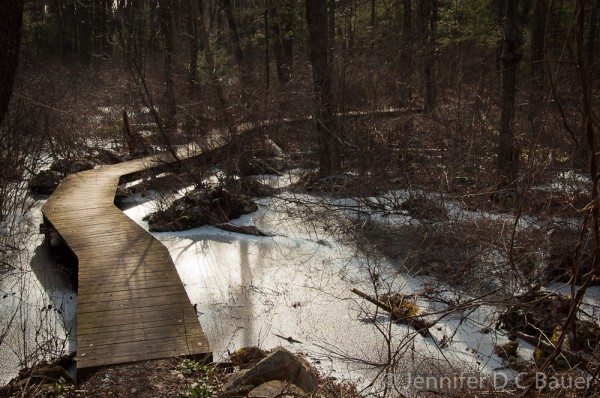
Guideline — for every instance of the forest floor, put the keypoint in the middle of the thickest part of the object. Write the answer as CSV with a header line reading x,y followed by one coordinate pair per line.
x,y
172,377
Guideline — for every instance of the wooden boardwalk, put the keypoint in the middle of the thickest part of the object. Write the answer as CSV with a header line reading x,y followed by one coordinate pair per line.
x,y
132,305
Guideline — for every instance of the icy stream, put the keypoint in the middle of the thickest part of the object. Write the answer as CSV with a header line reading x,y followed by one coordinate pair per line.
x,y
291,289
37,304
296,284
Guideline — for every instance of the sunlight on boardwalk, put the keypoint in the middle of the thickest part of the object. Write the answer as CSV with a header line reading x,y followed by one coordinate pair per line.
x,y
132,305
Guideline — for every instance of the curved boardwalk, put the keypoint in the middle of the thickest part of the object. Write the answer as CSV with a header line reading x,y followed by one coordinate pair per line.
x,y
132,305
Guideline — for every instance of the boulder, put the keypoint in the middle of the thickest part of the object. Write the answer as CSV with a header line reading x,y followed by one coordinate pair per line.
x,y
200,207
71,165
279,365
276,388
44,182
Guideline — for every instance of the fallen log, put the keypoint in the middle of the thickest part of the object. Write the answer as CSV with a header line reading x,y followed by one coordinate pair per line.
x,y
419,324
241,229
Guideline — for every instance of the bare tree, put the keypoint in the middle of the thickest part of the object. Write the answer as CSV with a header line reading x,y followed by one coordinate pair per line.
x,y
427,29
317,19
11,16
538,46
510,57
170,102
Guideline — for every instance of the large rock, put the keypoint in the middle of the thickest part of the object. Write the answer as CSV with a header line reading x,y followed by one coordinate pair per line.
x,y
71,165
279,365
200,207
276,388
44,182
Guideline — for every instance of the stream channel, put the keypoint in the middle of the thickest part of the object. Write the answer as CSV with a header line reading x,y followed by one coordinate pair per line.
x,y
290,289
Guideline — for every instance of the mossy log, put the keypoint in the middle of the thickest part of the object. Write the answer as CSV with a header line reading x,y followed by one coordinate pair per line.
x,y
419,324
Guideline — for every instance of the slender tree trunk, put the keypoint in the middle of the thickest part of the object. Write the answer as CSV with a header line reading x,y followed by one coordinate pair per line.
x,y
592,41
511,55
538,50
275,33
406,56
282,37
373,23
85,31
427,28
11,17
538,43
316,17
194,49
287,22
267,44
61,26
331,32
210,62
169,104
136,27
235,40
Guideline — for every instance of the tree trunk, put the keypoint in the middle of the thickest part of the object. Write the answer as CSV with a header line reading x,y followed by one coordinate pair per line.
x,y
373,23
510,57
193,39
235,40
592,38
287,14
281,14
427,28
316,17
169,103
210,62
267,44
538,43
11,17
406,56
331,32
85,31
538,46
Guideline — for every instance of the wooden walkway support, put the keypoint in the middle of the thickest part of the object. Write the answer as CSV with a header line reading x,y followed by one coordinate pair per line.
x,y
132,305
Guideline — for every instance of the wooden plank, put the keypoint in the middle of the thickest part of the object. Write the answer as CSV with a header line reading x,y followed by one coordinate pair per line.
x,y
103,331
121,295
188,344
140,356
189,327
159,333
175,315
131,303
88,275
97,306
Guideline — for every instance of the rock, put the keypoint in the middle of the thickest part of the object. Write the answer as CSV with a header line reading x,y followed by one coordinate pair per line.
x,y
252,188
71,166
262,157
276,388
200,207
52,374
44,182
279,365
507,351
241,229
247,357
